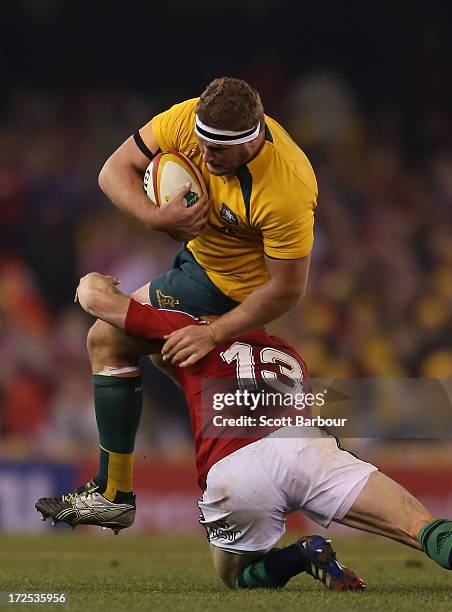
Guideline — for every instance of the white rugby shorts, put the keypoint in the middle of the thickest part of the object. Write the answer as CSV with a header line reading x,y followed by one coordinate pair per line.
x,y
250,492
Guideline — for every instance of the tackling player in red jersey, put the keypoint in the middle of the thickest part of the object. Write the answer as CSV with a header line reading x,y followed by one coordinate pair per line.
x,y
250,483
250,357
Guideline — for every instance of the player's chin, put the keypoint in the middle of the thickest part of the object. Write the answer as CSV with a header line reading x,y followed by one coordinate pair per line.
x,y
217,170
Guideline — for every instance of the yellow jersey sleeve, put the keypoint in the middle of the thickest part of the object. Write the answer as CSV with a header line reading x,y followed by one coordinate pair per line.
x,y
173,129
287,222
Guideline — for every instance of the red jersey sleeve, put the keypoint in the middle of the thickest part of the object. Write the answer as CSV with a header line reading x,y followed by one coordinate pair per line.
x,y
150,322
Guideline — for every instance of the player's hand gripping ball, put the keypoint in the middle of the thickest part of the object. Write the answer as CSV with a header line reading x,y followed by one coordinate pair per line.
x,y
168,172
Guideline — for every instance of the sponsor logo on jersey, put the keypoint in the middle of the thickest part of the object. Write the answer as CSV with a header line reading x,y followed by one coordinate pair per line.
x,y
217,533
228,231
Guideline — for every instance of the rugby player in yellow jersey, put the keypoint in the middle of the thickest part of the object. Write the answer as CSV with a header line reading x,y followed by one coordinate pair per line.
x,y
245,258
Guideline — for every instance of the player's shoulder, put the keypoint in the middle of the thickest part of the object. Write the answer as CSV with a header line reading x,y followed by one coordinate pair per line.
x,y
173,128
180,116
289,161
261,338
185,110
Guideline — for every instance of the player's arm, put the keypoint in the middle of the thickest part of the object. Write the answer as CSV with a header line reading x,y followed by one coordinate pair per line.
x,y
287,232
286,223
287,283
121,179
99,296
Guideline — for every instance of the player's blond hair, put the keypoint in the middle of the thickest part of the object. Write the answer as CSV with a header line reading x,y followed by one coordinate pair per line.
x,y
230,104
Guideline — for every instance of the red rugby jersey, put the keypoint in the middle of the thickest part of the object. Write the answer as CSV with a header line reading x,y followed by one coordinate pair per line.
x,y
252,355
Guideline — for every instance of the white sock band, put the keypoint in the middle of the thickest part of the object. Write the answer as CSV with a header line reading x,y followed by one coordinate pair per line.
x,y
110,371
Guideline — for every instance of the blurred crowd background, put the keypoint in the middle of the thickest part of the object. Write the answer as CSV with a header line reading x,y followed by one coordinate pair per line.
x,y
368,98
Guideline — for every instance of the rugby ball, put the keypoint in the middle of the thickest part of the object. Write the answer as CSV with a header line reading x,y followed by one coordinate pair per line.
x,y
167,173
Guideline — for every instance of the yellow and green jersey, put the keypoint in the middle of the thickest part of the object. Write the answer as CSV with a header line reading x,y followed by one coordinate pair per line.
x,y
265,208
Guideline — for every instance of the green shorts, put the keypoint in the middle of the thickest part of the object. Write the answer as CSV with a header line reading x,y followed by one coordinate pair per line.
x,y
187,287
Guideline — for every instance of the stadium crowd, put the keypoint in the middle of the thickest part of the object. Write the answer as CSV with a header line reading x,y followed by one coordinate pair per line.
x,y
380,289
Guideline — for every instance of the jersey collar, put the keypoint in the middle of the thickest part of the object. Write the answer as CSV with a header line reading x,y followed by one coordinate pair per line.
x,y
264,154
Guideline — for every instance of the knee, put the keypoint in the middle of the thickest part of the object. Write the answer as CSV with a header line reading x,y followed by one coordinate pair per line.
x,y
101,336
228,566
227,577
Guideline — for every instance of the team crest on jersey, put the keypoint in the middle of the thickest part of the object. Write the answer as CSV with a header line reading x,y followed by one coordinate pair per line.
x,y
166,301
227,215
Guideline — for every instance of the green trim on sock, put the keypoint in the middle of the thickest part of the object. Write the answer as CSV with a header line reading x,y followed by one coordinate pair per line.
x,y
255,577
436,540
425,532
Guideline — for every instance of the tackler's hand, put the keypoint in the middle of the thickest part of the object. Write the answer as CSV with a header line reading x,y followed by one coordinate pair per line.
x,y
186,346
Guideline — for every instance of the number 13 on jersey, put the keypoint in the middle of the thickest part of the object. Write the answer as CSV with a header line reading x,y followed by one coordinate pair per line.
x,y
251,363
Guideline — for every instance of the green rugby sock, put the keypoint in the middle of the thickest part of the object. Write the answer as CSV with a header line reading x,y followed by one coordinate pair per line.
x,y
254,576
118,404
273,570
436,540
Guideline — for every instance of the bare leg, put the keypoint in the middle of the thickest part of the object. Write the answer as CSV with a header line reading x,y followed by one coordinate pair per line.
x,y
118,403
228,565
384,507
111,347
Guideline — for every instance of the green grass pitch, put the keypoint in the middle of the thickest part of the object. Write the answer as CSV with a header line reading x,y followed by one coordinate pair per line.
x,y
173,573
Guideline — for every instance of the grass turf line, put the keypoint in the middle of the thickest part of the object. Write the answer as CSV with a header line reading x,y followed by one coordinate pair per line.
x,y
168,572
